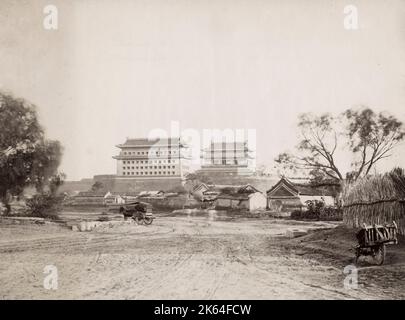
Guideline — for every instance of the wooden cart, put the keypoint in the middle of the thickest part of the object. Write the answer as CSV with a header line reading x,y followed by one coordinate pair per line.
x,y
372,241
139,211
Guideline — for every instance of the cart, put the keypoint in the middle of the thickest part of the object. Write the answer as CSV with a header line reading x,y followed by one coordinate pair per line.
x,y
140,212
373,239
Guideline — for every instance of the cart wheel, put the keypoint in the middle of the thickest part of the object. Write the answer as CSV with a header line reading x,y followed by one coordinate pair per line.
x,y
148,220
124,213
357,253
138,220
379,254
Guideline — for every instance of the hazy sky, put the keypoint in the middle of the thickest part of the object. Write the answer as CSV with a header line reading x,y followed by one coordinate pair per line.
x,y
117,69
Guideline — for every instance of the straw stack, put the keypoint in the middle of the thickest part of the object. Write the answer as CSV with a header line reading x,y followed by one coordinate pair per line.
x,y
377,199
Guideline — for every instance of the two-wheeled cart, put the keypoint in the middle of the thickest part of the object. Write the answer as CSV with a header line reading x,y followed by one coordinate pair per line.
x,y
372,240
140,212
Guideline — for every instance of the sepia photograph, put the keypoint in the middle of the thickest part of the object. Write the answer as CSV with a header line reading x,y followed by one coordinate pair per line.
x,y
202,150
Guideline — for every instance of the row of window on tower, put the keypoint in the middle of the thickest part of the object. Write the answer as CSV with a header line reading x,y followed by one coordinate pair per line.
x,y
157,153
224,161
150,173
150,167
147,161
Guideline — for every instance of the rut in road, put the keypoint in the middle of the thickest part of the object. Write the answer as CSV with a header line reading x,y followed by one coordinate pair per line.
x,y
75,240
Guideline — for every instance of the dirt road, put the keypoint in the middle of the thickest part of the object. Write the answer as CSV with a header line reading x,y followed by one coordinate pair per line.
x,y
176,258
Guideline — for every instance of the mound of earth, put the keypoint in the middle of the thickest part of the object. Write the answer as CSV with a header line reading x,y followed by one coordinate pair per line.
x,y
339,243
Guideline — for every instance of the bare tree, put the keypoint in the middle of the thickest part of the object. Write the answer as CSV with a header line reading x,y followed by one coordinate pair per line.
x,y
368,136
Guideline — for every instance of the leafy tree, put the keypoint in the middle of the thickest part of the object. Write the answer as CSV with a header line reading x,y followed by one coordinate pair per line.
x,y
262,171
368,136
192,180
26,157
47,203
97,186
177,189
372,137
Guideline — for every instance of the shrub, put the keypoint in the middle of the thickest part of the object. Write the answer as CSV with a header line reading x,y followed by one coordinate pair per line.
x,y
297,215
45,205
177,189
331,214
316,210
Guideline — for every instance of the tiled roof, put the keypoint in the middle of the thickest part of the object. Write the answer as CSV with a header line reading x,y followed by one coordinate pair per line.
x,y
232,191
313,191
149,142
151,193
226,146
304,189
233,196
201,185
90,194
223,188
123,194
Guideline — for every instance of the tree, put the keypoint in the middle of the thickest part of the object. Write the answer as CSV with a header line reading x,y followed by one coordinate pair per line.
x,y
177,189
97,186
262,171
47,203
26,157
372,137
192,180
369,137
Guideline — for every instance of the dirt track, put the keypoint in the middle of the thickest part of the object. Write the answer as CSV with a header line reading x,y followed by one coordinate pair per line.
x,y
176,258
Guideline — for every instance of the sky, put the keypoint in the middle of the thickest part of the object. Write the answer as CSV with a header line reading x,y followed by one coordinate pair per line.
x,y
118,69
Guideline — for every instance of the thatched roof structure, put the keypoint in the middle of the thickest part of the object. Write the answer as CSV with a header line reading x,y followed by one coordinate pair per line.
x,y
377,199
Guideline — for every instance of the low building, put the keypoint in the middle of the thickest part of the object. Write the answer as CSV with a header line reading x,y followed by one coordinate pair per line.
x,y
152,194
244,197
87,198
113,198
209,192
252,201
198,191
286,195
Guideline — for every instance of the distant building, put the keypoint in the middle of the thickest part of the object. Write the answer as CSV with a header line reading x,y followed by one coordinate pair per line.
x,y
119,198
87,198
152,194
244,197
151,158
286,195
113,198
198,191
227,158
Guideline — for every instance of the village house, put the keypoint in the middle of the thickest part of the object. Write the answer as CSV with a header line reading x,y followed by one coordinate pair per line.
x,y
286,195
152,194
198,191
248,201
88,198
244,197
113,198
